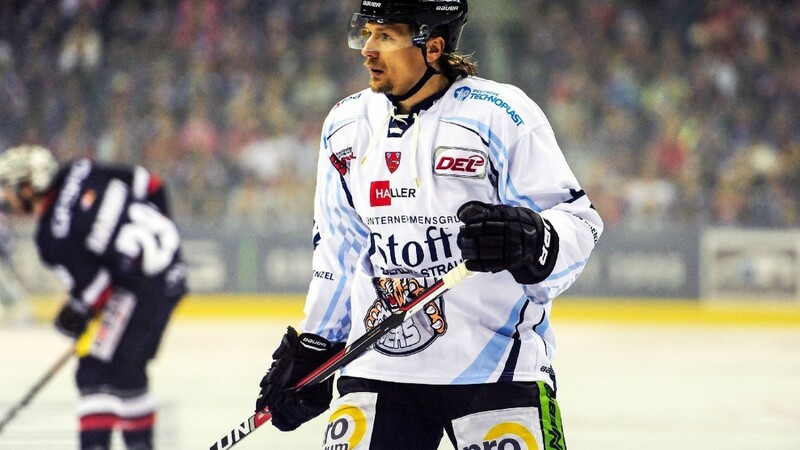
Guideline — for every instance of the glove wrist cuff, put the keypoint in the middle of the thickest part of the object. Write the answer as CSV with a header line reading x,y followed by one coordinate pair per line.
x,y
313,342
543,257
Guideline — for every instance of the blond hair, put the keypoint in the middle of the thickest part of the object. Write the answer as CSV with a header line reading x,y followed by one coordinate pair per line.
x,y
455,66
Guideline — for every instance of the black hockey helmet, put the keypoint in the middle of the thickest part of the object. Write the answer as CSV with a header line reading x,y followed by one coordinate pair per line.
x,y
428,18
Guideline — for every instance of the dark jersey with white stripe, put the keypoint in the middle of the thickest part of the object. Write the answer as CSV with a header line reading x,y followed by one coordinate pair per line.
x,y
107,227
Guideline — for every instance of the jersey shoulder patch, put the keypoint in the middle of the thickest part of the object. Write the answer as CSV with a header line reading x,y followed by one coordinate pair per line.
x,y
506,102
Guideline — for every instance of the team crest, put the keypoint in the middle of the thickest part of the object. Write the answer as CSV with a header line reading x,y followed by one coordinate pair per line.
x,y
392,161
416,333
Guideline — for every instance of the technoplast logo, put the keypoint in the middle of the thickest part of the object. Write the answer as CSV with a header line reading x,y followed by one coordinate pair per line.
x,y
465,93
506,436
462,93
346,428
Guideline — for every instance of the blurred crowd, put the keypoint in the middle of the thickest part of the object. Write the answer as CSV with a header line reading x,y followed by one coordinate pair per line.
x,y
670,111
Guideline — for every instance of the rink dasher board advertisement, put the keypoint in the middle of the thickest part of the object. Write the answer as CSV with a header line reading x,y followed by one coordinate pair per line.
x,y
664,262
739,264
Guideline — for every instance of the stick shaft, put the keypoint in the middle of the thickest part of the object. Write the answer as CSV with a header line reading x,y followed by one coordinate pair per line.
x,y
37,387
353,351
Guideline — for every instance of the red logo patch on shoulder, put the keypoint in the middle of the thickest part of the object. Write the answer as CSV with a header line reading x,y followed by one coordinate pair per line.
x,y
341,160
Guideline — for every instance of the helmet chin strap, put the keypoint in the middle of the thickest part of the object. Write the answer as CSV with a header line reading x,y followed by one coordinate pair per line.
x,y
429,73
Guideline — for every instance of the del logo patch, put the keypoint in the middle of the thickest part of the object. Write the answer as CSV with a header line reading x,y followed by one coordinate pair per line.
x,y
459,162
392,161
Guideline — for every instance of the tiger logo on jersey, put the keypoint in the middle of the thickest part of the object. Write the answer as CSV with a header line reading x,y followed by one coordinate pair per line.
x,y
416,333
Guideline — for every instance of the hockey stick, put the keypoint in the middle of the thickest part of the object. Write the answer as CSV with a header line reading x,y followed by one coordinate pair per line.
x,y
37,387
353,351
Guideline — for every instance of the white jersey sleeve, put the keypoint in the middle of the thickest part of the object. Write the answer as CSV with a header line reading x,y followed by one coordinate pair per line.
x,y
531,171
340,238
538,177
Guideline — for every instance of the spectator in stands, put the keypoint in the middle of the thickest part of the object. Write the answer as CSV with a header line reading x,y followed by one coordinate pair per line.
x,y
726,73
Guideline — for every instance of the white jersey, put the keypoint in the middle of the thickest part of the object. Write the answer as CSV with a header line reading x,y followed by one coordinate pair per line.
x,y
388,188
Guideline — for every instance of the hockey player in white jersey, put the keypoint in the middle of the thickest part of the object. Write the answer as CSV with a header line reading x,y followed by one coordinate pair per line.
x,y
429,167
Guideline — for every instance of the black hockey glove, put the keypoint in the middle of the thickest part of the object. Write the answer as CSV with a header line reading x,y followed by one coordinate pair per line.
x,y
73,318
503,237
296,357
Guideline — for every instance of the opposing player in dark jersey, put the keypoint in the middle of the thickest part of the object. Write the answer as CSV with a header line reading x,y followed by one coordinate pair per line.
x,y
107,231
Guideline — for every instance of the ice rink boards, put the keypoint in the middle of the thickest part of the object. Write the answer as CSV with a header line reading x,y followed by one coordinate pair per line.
x,y
632,375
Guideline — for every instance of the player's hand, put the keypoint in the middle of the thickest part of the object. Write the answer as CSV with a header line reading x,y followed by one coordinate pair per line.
x,y
296,357
73,318
503,237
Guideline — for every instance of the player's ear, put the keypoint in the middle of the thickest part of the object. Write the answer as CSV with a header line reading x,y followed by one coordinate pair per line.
x,y
434,49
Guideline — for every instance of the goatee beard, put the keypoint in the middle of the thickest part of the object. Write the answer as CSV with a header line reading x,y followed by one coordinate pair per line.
x,y
380,88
